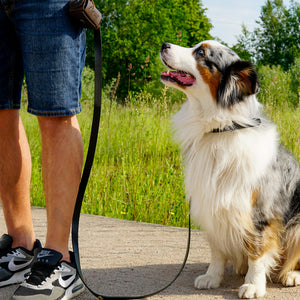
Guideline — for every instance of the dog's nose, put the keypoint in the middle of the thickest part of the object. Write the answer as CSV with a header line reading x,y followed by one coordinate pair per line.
x,y
165,46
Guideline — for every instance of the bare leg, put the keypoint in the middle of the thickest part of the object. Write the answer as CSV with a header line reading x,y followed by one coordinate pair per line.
x,y
15,173
62,156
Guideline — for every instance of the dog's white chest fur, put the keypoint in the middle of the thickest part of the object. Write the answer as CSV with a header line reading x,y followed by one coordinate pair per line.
x,y
221,169
221,172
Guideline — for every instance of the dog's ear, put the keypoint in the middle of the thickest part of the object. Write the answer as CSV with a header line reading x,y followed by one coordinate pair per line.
x,y
238,80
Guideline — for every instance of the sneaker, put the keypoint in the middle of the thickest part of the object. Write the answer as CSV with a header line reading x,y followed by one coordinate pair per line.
x,y
50,278
15,263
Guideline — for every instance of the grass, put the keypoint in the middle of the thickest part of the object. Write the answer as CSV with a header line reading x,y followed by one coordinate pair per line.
x,y
137,172
288,124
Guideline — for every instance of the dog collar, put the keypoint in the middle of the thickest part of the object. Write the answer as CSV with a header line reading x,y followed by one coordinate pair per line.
x,y
236,126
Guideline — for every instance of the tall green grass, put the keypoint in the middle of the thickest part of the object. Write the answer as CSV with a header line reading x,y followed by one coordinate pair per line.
x,y
137,172
288,124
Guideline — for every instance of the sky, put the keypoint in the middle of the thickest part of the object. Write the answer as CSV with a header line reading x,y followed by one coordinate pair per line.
x,y
227,17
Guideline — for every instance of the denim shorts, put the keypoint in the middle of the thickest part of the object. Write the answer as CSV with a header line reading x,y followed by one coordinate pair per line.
x,y
39,40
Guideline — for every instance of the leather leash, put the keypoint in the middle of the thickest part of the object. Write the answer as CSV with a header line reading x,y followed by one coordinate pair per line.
x,y
86,174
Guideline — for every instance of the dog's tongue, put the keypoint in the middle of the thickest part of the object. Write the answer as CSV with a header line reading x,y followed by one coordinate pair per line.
x,y
180,77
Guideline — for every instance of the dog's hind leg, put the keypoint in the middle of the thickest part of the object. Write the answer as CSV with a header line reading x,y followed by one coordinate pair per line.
x,y
289,276
214,274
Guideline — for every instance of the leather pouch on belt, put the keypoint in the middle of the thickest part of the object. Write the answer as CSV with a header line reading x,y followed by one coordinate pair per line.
x,y
86,13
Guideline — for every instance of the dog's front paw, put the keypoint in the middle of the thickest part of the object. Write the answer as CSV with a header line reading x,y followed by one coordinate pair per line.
x,y
207,282
249,291
292,278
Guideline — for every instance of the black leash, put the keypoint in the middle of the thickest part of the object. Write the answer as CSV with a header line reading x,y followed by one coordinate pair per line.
x,y
81,15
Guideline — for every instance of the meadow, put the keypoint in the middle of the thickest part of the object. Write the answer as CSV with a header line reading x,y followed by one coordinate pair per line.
x,y
137,172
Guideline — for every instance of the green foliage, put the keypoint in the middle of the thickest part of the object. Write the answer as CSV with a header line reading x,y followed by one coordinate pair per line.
x,y
278,87
295,77
276,40
137,173
274,86
242,47
133,31
288,123
278,35
88,78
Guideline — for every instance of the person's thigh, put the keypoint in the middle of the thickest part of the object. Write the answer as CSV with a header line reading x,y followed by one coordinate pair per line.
x,y
53,51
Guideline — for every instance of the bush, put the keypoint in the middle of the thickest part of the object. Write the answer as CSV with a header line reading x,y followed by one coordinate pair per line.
x,y
295,80
87,82
278,87
133,31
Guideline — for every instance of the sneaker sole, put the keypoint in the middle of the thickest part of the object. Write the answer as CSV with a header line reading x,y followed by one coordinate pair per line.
x,y
18,277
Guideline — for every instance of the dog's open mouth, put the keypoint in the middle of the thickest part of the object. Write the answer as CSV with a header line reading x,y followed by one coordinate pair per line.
x,y
180,77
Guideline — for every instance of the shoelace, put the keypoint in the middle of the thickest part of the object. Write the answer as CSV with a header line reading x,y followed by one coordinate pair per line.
x,y
39,273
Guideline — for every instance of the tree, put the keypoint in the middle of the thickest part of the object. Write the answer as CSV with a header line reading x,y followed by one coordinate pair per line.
x,y
133,30
242,48
278,35
276,40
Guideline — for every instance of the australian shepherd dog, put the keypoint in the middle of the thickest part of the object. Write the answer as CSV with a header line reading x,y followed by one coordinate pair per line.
x,y
243,186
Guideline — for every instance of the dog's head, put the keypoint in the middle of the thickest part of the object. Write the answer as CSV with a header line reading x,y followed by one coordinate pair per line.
x,y
209,67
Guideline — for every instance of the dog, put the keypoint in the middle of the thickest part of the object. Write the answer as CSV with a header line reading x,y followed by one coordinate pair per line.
x,y
243,186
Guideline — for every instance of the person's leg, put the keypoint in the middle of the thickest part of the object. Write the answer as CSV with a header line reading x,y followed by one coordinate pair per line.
x,y
62,156
15,160
53,52
15,174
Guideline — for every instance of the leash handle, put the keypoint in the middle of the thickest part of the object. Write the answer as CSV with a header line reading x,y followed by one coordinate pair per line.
x,y
86,174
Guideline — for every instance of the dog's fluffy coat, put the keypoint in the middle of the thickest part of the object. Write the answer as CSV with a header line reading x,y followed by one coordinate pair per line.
x,y
243,186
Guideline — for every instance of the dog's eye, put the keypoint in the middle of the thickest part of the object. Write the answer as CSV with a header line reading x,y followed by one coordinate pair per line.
x,y
200,52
